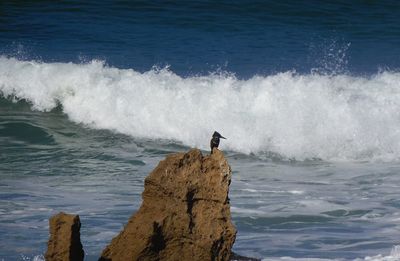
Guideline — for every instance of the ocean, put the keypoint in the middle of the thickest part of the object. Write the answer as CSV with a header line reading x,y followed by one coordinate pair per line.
x,y
93,94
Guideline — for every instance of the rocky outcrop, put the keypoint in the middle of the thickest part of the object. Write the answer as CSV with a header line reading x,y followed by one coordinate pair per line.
x,y
185,214
64,243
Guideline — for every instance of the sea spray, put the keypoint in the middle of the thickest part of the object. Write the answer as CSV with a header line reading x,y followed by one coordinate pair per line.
x,y
296,116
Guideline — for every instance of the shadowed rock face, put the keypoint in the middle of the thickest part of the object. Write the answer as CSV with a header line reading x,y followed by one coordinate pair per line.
x,y
185,214
64,243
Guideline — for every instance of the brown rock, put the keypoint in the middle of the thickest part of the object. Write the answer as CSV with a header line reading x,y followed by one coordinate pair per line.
x,y
64,242
185,214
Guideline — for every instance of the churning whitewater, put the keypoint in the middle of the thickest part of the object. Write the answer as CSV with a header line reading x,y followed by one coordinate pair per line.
x,y
313,116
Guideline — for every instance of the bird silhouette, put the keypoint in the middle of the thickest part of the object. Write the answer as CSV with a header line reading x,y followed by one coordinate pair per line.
x,y
215,140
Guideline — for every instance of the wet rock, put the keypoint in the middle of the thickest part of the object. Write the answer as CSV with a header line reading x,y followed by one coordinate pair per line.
x,y
185,214
64,243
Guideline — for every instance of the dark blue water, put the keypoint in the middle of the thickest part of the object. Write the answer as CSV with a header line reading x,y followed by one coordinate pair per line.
x,y
93,94
196,37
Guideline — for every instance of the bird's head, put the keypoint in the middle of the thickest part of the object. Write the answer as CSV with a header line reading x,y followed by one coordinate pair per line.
x,y
217,135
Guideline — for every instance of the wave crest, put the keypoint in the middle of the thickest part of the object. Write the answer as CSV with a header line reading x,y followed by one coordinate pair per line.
x,y
337,117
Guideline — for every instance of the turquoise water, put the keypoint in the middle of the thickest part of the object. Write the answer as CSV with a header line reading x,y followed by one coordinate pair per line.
x,y
93,95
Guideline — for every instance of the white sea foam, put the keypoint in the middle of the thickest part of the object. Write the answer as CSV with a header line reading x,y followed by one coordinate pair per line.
x,y
297,116
35,258
394,256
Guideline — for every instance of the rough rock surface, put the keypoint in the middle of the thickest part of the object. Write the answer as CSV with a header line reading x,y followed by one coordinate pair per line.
x,y
64,243
185,214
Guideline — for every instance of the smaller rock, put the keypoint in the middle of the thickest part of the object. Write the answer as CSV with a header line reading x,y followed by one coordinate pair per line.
x,y
64,242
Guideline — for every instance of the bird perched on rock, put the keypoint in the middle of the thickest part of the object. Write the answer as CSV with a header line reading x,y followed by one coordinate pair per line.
x,y
215,140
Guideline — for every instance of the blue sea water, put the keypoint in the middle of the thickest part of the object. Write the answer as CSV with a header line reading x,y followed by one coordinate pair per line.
x,y
93,94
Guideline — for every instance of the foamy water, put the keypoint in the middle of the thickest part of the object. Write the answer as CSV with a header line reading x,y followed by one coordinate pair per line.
x,y
295,116
394,256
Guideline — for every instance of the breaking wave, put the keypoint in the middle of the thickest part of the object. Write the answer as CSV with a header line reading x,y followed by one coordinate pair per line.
x,y
338,117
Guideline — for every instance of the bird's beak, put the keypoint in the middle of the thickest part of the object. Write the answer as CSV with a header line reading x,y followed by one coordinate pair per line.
x,y
222,137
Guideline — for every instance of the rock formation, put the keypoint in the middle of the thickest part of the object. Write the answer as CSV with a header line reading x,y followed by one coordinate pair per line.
x,y
64,243
185,214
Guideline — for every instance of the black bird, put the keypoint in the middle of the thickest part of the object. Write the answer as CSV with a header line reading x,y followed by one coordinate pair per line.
x,y
215,140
